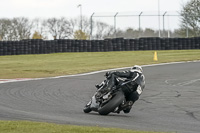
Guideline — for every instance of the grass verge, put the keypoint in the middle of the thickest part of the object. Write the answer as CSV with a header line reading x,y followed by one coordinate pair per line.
x,y
47,65
41,127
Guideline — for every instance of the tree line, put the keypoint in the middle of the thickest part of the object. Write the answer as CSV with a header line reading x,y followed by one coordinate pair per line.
x,y
20,28
57,28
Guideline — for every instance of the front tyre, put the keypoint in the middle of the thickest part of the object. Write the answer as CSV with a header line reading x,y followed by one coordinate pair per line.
x,y
117,99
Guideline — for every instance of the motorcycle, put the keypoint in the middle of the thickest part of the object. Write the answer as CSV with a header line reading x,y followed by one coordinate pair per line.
x,y
107,98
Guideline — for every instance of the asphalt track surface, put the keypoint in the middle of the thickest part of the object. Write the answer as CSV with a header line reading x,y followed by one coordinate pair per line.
x,y
170,101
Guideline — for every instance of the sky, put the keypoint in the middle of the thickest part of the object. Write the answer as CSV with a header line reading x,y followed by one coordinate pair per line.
x,y
69,8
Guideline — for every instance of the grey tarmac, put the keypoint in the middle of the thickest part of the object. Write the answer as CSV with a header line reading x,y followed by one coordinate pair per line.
x,y
170,101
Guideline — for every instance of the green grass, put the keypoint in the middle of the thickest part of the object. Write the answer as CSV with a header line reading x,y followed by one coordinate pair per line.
x,y
47,65
41,127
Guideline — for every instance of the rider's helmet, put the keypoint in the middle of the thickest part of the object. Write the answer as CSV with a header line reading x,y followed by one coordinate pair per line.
x,y
137,68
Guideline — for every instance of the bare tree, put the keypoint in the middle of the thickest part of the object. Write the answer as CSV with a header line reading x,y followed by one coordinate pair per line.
x,y
40,26
190,18
110,31
84,25
102,30
59,28
131,33
21,28
148,32
15,29
4,28
73,24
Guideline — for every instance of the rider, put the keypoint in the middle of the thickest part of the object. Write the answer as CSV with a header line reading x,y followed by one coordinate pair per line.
x,y
135,83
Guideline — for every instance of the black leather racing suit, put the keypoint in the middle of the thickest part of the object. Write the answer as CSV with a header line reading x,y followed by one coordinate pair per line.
x,y
132,89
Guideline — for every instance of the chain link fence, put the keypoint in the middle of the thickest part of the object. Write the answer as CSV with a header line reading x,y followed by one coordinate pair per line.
x,y
163,22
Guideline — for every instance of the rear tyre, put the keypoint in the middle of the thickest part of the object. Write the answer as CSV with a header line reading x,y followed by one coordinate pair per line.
x,y
117,99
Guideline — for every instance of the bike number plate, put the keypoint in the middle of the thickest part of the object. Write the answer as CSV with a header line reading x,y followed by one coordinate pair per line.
x,y
139,90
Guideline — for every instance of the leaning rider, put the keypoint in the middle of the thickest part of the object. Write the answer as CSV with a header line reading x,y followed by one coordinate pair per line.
x,y
133,89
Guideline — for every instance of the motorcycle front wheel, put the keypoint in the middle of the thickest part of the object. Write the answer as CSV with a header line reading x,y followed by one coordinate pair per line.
x,y
116,100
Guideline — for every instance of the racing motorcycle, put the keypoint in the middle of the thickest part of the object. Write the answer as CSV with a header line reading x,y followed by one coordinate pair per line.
x,y
107,98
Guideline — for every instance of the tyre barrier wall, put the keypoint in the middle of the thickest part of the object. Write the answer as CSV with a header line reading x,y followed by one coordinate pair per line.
x,y
37,46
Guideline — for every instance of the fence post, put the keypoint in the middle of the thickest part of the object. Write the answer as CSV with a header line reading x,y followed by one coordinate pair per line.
x,y
91,26
139,22
115,23
164,24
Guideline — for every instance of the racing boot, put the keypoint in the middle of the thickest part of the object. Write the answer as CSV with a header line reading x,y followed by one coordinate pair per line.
x,y
126,107
127,110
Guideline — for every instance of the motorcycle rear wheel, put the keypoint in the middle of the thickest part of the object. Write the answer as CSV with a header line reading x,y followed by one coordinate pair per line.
x,y
117,99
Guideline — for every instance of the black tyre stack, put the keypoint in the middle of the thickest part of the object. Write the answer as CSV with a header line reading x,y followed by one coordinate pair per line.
x,y
164,42
21,47
16,47
132,43
105,45
92,45
141,43
4,44
114,44
38,46
55,46
69,45
97,46
85,45
186,44
120,44
197,42
147,44
1,48
26,46
173,44
102,47
33,46
60,45
72,46
89,46
181,41
127,45
8,52
79,46
41,47
178,42
158,41
110,45
190,42
64,45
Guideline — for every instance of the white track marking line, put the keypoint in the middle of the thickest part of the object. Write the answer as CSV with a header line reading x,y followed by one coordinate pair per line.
x,y
188,82
2,81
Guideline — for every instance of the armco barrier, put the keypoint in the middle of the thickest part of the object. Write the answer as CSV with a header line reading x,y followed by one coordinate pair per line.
x,y
38,46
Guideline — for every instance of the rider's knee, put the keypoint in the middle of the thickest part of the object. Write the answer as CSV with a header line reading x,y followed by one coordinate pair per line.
x,y
134,96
